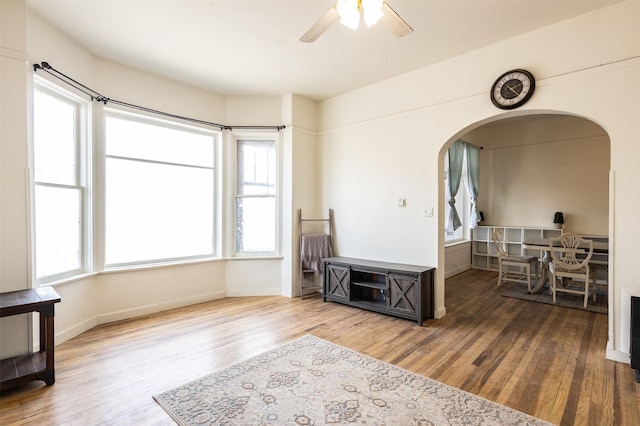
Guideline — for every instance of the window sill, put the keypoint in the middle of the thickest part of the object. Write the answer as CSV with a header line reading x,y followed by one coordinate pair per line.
x,y
159,265
133,268
69,280
274,257
456,243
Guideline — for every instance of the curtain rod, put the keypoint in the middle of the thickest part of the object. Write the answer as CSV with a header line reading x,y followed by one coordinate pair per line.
x,y
465,142
95,96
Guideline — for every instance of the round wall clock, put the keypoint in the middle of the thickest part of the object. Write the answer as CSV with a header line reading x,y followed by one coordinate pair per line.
x,y
512,89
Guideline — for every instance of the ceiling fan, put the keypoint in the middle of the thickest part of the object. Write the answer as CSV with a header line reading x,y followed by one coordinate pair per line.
x,y
349,11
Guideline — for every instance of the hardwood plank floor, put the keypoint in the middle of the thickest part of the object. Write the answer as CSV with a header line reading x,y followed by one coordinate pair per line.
x,y
544,360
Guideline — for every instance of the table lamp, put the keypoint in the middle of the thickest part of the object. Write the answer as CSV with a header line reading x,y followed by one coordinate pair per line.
x,y
558,219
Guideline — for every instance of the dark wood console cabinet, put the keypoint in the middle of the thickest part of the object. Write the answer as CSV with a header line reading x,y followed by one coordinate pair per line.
x,y
635,336
39,365
405,291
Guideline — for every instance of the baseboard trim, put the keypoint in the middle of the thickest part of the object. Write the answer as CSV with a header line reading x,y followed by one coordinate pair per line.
x,y
158,307
253,292
458,270
618,356
75,330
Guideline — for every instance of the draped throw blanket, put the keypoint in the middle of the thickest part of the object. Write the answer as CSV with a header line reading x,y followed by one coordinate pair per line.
x,y
314,248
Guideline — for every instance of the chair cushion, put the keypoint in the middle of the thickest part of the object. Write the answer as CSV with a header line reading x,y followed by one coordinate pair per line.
x,y
570,272
522,259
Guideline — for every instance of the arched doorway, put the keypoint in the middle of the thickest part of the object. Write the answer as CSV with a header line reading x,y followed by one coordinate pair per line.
x,y
534,165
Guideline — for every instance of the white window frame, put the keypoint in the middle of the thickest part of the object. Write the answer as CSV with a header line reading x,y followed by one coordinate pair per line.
x,y
256,136
82,179
172,124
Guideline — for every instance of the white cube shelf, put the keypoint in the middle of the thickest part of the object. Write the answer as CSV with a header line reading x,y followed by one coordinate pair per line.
x,y
484,254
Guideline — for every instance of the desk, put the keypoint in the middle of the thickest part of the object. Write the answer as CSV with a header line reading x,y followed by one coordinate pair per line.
x,y
599,246
36,366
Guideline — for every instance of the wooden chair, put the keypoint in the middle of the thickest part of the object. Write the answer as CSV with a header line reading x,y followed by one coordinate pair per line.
x,y
570,255
515,268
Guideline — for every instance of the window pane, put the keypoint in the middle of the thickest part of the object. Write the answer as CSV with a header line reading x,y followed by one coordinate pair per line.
x,y
134,139
157,211
57,225
54,133
256,167
256,224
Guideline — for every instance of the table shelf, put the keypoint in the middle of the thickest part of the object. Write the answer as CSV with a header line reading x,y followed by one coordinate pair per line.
x,y
39,365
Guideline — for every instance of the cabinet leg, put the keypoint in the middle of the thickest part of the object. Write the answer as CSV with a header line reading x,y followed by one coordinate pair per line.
x,y
49,377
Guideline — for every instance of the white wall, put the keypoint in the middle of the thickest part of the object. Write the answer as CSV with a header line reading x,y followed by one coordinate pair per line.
x,y
457,258
15,272
388,140
365,169
551,163
301,165
126,294
78,308
253,110
245,277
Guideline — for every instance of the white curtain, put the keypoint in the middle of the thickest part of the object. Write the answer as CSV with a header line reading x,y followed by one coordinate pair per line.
x,y
473,182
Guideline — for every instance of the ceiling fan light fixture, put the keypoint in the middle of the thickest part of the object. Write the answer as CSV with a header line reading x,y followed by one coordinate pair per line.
x,y
372,11
349,11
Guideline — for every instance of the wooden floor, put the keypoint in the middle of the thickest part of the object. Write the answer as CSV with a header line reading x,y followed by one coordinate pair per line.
x,y
543,360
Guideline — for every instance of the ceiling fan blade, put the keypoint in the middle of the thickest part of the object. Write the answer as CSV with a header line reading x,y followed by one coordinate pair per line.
x,y
394,22
321,26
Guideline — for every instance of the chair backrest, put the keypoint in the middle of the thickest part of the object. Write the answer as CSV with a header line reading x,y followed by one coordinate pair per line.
x,y
498,242
565,248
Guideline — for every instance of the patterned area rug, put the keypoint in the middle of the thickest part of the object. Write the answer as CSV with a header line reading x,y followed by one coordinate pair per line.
x,y
310,381
568,300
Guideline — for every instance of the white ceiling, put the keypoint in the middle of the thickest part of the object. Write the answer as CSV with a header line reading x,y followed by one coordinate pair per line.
x,y
242,47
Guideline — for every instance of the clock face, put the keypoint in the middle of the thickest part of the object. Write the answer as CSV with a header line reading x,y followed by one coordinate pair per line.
x,y
512,89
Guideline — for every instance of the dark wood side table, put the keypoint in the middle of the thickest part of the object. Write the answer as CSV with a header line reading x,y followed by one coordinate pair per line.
x,y
39,365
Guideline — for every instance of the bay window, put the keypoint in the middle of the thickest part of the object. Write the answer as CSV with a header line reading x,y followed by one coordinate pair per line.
x,y
156,189
160,190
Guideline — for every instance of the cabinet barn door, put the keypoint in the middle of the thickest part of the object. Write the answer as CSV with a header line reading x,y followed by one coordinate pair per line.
x,y
338,278
404,293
